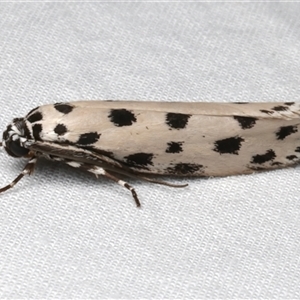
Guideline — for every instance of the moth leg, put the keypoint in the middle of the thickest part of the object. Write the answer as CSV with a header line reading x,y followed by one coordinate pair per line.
x,y
27,170
122,183
100,171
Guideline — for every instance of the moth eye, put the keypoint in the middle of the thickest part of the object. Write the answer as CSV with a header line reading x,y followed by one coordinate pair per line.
x,y
13,148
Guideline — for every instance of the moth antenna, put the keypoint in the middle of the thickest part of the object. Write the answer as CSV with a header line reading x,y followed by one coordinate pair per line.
x,y
27,170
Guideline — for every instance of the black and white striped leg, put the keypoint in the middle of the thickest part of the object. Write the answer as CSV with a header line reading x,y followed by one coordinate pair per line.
x,y
27,170
100,171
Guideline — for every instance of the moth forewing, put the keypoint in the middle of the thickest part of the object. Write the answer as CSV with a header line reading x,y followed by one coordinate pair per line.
x,y
138,139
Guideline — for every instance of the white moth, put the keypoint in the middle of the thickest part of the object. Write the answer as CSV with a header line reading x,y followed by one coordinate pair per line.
x,y
138,139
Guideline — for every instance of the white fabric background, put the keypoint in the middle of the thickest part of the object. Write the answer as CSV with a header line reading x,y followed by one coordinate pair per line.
x,y
65,234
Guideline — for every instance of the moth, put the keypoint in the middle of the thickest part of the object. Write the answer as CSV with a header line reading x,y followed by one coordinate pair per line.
x,y
139,139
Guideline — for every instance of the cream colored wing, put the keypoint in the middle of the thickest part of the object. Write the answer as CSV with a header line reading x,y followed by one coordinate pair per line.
x,y
177,138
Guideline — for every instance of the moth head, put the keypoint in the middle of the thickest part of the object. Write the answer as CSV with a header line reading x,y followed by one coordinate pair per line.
x,y
14,138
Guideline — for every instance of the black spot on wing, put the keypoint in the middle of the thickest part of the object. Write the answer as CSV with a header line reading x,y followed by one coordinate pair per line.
x,y
240,102
60,129
37,116
246,122
34,109
27,132
277,163
141,159
289,103
291,157
64,108
285,131
36,131
230,145
297,149
88,138
262,158
268,112
174,147
122,117
184,169
280,108
256,168
177,121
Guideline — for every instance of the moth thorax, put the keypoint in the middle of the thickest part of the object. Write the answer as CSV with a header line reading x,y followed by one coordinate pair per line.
x,y
14,138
